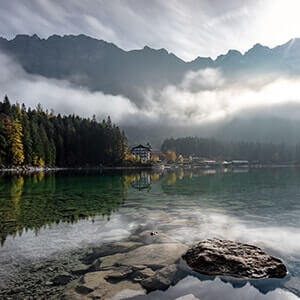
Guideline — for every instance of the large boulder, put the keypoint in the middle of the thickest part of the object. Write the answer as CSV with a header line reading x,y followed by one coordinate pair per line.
x,y
223,257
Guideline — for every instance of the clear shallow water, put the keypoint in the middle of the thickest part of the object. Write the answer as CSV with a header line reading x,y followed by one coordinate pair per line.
x,y
45,214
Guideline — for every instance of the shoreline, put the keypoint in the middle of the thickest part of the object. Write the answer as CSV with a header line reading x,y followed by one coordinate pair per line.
x,y
147,167
54,169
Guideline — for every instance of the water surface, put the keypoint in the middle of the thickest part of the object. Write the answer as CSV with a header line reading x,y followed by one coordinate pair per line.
x,y
42,214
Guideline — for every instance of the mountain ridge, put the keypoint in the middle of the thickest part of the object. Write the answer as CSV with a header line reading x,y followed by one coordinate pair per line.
x,y
103,66
146,47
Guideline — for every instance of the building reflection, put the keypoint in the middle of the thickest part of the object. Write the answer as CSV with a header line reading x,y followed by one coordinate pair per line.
x,y
142,182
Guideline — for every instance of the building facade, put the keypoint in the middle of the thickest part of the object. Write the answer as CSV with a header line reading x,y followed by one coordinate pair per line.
x,y
143,152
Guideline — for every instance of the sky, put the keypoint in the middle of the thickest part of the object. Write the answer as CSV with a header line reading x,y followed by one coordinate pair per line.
x,y
188,28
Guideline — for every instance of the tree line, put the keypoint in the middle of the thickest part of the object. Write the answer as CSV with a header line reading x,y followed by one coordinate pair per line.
x,y
230,150
35,137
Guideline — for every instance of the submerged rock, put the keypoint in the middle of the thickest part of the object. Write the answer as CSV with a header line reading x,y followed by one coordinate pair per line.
x,y
109,249
162,278
124,275
223,257
62,279
155,237
95,285
154,256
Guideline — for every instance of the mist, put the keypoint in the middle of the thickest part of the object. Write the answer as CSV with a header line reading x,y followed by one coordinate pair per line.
x,y
205,103
59,95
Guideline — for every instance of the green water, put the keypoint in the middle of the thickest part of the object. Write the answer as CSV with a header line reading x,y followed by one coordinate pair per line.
x,y
42,214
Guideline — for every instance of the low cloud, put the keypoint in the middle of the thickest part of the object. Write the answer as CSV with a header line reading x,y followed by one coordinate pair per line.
x,y
203,98
207,96
59,95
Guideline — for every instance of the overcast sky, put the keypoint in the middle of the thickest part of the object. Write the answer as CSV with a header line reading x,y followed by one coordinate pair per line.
x,y
188,28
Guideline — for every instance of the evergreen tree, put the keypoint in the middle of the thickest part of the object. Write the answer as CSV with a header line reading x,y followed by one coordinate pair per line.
x,y
16,144
13,132
27,140
3,150
37,137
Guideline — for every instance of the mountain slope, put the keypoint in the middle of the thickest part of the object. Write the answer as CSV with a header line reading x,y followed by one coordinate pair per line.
x,y
103,66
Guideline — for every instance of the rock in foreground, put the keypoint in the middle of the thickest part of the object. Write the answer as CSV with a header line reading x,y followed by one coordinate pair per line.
x,y
223,257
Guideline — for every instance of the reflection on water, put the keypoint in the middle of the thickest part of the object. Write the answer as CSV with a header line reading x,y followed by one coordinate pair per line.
x,y
59,211
141,181
190,288
37,200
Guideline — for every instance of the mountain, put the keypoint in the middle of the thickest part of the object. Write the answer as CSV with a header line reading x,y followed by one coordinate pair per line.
x,y
102,66
96,64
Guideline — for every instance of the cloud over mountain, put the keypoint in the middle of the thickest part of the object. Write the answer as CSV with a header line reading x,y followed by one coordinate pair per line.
x,y
154,94
59,95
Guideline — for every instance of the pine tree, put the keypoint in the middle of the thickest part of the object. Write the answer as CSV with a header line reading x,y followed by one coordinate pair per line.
x,y
37,145
46,146
27,140
13,132
3,146
16,144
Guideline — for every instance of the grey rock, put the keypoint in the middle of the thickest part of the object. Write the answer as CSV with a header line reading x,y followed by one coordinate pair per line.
x,y
154,256
81,289
162,279
155,237
143,274
62,279
223,257
94,285
118,274
80,269
108,249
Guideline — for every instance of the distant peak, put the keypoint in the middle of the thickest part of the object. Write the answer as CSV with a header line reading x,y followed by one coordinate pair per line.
x,y
54,36
230,54
21,36
35,36
200,58
233,52
258,47
162,50
291,42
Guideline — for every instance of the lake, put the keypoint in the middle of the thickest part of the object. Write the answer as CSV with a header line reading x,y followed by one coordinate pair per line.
x,y
50,215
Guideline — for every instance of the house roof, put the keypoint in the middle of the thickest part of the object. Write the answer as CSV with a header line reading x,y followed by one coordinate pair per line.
x,y
141,146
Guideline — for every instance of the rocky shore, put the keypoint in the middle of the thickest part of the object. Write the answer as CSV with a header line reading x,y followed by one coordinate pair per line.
x,y
144,262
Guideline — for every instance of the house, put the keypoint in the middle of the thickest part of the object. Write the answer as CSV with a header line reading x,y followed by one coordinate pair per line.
x,y
144,152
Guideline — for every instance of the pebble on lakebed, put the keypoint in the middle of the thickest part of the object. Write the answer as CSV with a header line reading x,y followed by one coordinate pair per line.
x,y
224,257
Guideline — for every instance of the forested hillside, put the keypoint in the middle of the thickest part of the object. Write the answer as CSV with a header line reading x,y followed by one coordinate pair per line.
x,y
216,149
35,137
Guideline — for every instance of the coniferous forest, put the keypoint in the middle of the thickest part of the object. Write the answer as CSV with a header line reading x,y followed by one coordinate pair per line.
x,y
228,150
34,137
